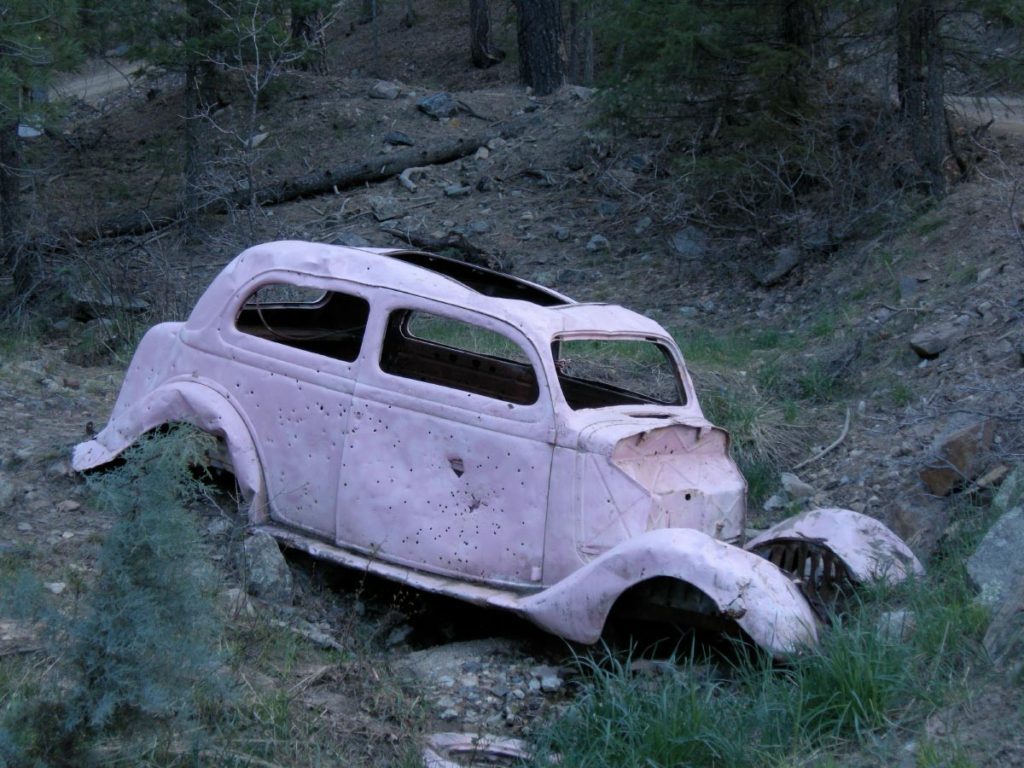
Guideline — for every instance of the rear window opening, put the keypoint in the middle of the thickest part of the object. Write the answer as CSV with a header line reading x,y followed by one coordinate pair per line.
x,y
326,323
598,373
457,355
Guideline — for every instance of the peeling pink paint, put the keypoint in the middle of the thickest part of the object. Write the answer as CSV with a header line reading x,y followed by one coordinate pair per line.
x,y
409,415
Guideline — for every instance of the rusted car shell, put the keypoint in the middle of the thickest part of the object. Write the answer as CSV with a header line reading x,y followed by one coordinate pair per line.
x,y
532,505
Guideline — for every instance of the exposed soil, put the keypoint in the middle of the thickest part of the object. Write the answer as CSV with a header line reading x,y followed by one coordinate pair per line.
x,y
534,204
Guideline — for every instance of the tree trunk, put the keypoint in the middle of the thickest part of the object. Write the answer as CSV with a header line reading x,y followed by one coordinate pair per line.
x,y
921,88
12,235
309,29
482,51
541,49
581,44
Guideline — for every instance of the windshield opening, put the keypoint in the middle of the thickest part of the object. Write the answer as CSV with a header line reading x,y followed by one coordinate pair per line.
x,y
597,373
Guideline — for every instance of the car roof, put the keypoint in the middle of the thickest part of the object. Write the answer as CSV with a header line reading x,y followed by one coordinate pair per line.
x,y
533,308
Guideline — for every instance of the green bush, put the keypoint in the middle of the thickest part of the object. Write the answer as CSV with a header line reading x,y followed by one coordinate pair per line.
x,y
143,649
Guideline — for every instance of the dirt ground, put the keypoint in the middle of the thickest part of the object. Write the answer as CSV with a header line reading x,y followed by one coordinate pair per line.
x,y
535,203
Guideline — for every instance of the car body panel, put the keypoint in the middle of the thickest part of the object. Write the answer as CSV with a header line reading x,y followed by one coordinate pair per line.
x,y
460,470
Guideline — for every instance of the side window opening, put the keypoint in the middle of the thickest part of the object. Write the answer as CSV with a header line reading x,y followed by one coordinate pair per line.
x,y
459,355
326,323
596,373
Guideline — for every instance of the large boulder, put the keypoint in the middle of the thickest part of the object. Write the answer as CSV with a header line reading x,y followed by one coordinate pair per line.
x,y
1004,640
996,567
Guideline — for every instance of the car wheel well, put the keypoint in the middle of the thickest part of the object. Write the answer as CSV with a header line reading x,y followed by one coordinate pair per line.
x,y
662,602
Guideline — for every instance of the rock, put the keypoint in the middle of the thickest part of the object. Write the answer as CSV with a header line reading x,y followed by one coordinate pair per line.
x,y
796,488
776,502
479,227
68,505
996,567
607,208
642,225
256,139
24,527
687,311
438,105
560,233
385,207
8,493
929,343
397,139
235,602
89,303
219,526
786,260
1004,640
55,587
482,154
1011,492
351,239
457,190
398,635
266,571
958,457
485,184
386,90
896,626
689,243
598,243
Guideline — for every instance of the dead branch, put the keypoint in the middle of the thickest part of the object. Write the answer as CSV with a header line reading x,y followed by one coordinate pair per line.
x,y
831,446
324,181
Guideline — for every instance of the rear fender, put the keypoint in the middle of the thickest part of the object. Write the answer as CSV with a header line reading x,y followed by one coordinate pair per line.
x,y
192,403
746,588
867,549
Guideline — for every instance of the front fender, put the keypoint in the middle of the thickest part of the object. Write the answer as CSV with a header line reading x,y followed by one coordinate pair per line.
x,y
869,550
758,596
192,403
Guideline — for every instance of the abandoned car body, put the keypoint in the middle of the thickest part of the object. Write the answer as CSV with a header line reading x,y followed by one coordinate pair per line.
x,y
476,435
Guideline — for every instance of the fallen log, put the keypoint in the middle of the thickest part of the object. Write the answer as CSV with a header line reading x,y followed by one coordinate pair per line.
x,y
330,180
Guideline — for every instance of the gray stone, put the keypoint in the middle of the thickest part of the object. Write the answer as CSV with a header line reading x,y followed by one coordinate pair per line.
x,y
385,207
351,239
438,105
598,243
1004,640
386,90
689,243
479,227
397,138
398,635
89,303
996,566
560,233
266,571
642,225
796,488
896,626
457,190
485,184
1011,492
785,261
608,208
929,343
687,311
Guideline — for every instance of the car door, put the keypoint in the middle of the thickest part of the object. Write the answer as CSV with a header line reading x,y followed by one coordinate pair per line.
x,y
295,347
448,453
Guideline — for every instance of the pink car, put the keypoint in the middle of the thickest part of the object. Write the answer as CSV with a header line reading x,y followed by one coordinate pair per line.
x,y
480,436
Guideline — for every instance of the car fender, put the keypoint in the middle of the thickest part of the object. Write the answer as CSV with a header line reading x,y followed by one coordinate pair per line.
x,y
870,551
759,597
193,403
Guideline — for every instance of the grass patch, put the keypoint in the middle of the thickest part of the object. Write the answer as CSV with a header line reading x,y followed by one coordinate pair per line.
x,y
858,683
